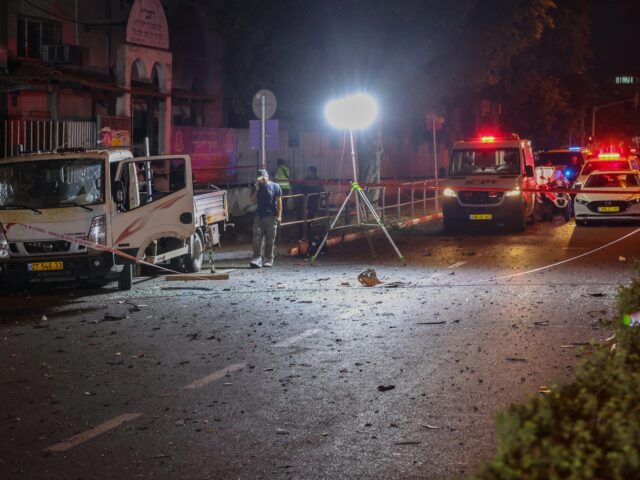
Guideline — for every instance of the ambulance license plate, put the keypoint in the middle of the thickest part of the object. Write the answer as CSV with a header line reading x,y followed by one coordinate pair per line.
x,y
45,266
608,209
481,216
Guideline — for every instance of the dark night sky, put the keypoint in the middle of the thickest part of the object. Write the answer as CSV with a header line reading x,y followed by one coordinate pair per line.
x,y
616,36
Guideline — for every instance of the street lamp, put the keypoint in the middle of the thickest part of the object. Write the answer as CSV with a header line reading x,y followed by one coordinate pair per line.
x,y
351,113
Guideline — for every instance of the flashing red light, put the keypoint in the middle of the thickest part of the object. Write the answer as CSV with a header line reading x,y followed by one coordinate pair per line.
x,y
609,156
487,138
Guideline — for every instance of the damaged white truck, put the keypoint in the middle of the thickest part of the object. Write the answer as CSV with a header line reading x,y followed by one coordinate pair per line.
x,y
55,206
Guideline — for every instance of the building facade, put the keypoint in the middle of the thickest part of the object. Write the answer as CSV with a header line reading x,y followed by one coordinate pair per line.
x,y
111,72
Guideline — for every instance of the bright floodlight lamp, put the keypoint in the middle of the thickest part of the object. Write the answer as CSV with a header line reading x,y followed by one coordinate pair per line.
x,y
355,113
352,113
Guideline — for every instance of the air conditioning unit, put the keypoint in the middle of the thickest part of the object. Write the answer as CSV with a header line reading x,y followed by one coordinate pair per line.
x,y
71,54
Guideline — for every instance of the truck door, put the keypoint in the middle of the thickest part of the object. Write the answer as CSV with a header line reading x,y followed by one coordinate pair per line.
x,y
158,201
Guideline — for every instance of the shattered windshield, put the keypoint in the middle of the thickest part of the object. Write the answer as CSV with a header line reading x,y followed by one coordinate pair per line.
x,y
52,183
485,161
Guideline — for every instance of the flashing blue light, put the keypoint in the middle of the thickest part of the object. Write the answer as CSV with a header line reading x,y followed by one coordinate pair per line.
x,y
574,149
568,173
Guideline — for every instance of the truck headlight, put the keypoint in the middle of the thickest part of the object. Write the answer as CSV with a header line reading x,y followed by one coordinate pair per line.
x,y
98,230
512,193
448,192
581,201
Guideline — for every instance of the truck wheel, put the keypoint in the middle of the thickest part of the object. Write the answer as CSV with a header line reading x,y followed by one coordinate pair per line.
x,y
191,262
532,217
125,280
519,222
195,257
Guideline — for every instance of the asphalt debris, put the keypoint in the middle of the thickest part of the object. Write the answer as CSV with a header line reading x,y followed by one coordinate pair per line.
x,y
385,388
369,278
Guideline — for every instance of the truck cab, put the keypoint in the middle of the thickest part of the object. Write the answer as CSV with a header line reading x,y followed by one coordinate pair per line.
x,y
488,182
91,215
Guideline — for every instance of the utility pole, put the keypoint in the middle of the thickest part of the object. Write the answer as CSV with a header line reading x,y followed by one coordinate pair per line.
x,y
635,100
435,157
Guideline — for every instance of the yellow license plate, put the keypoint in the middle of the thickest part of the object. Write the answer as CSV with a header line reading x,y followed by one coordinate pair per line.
x,y
608,209
45,266
481,216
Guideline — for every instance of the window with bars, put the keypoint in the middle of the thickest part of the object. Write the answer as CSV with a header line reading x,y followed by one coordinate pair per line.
x,y
33,33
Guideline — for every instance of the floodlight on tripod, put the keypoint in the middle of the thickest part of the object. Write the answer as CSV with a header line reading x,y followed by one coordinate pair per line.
x,y
354,113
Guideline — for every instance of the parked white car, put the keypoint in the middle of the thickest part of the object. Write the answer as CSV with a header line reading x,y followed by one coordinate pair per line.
x,y
619,200
606,161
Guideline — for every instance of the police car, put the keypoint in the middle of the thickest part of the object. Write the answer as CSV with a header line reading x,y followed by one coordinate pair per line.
x,y
619,200
606,161
571,160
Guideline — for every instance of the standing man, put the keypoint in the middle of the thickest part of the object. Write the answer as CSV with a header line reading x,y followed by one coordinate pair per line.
x,y
268,216
282,178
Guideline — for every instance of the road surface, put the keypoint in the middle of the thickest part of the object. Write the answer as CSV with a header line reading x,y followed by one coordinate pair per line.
x,y
299,371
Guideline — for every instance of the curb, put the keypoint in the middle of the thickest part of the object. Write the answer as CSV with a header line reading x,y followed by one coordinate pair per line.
x,y
232,255
293,251
332,241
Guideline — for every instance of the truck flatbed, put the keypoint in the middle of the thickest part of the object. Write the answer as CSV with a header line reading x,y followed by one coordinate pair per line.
x,y
212,204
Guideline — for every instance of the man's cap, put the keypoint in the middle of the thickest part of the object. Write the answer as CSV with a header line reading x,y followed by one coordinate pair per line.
x,y
263,173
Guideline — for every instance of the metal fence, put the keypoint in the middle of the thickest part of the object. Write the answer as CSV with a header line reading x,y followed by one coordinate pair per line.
x,y
18,136
392,205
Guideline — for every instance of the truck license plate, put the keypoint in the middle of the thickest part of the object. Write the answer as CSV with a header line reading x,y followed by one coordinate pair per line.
x,y
608,209
481,216
45,266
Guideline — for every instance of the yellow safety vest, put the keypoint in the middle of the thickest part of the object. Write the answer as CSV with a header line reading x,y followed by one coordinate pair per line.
x,y
282,177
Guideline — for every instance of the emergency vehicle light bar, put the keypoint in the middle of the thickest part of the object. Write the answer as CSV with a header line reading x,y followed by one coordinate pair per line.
x,y
489,138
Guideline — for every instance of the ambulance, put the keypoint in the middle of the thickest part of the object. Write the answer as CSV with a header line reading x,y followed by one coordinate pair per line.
x,y
488,182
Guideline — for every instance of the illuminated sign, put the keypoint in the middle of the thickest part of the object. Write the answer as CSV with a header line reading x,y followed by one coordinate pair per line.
x,y
625,80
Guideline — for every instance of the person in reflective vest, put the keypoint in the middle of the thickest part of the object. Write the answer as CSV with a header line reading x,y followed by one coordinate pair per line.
x,y
282,179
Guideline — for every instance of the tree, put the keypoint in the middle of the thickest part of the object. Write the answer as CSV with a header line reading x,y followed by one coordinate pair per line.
x,y
413,55
546,89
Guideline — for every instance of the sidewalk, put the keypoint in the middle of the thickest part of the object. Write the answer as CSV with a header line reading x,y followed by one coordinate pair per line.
x,y
243,250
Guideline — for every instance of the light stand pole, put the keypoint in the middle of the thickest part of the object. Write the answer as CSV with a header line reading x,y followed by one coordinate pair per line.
x,y
344,114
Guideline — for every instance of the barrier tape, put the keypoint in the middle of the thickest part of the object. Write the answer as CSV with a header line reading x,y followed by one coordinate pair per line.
x,y
547,267
95,246
470,188
414,184
104,248
383,183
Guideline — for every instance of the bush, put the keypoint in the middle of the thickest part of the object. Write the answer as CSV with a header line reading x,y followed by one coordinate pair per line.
x,y
589,429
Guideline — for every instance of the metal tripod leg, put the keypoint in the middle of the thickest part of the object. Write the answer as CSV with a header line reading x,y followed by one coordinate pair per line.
x,y
366,205
333,224
363,216
380,224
